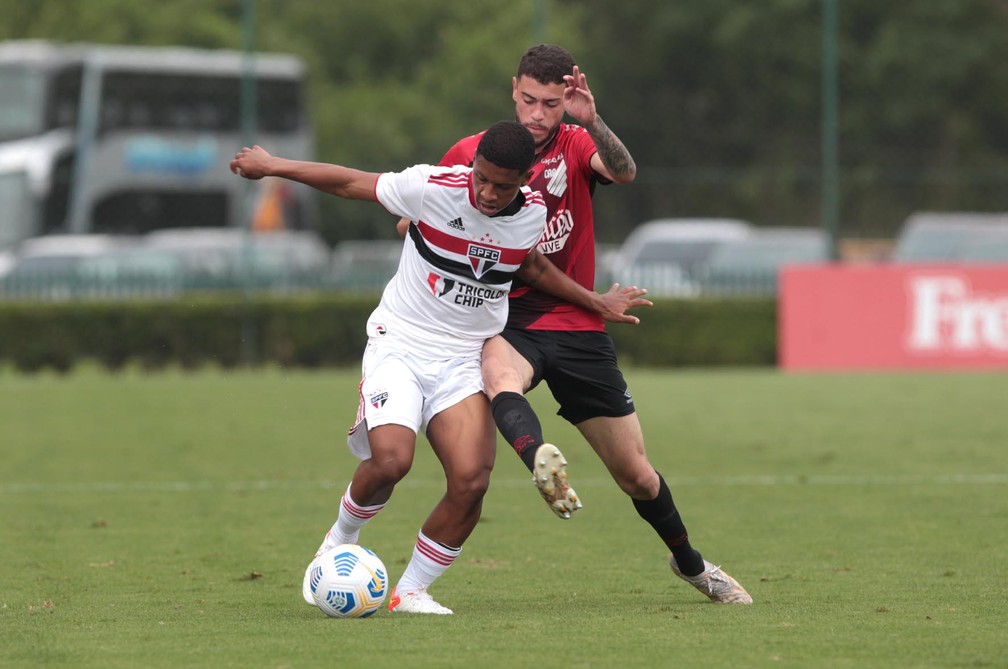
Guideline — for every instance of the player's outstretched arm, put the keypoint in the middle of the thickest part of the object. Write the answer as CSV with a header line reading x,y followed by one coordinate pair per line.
x,y
346,182
539,272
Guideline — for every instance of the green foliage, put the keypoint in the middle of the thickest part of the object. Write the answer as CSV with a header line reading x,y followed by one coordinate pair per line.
x,y
398,83
328,330
720,103
709,332
165,520
198,23
222,331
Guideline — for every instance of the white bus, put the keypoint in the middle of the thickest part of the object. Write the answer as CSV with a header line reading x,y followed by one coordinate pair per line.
x,y
117,139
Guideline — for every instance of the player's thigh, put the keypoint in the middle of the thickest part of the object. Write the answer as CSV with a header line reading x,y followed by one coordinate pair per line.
x,y
464,440
504,368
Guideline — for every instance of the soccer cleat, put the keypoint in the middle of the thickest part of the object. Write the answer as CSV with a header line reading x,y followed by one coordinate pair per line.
x,y
306,589
550,477
416,602
715,583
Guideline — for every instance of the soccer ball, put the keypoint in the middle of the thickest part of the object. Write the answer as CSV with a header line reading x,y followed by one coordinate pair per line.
x,y
348,581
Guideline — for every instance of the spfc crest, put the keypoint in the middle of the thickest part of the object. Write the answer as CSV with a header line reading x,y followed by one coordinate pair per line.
x,y
482,258
378,399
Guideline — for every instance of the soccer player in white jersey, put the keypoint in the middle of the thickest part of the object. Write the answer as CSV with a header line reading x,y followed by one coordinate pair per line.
x,y
476,227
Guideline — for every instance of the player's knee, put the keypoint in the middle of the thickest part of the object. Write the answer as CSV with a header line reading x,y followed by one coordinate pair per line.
x,y
392,468
470,486
640,484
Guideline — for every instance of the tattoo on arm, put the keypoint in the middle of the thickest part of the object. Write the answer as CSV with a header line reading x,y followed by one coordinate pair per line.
x,y
614,155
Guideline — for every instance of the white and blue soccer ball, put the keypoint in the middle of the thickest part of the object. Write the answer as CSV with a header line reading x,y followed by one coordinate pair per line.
x,y
348,581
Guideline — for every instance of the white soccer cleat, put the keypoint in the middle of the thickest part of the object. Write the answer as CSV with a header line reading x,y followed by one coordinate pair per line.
x,y
550,477
416,602
306,588
715,583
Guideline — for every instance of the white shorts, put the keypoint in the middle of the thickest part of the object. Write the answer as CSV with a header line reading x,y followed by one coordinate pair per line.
x,y
399,389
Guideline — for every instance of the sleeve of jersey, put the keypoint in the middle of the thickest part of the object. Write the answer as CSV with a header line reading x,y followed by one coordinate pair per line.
x,y
401,193
461,153
585,149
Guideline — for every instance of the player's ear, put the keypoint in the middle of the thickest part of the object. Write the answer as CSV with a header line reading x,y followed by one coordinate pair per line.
x,y
526,178
514,88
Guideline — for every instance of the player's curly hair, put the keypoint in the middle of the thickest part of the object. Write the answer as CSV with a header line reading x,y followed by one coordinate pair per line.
x,y
508,144
546,63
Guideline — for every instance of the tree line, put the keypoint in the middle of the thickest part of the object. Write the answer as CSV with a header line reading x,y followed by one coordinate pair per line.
x,y
719,101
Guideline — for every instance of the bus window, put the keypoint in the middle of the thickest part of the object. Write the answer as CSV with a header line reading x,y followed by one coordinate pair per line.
x,y
273,117
195,102
142,211
22,99
65,97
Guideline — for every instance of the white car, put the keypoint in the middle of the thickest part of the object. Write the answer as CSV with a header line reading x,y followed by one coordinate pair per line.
x,y
50,267
664,255
970,237
751,266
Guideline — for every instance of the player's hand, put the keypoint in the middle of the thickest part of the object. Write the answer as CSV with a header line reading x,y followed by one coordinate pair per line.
x,y
617,300
578,101
251,163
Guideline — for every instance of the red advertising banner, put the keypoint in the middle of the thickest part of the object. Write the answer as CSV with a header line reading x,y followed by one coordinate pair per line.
x,y
888,317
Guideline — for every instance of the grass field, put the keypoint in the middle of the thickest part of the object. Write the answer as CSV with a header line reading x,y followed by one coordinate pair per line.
x,y
166,520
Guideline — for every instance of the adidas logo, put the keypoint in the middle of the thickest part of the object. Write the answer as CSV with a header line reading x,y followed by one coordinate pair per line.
x,y
456,223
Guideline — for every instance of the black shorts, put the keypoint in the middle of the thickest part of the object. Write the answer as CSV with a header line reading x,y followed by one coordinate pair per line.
x,y
579,368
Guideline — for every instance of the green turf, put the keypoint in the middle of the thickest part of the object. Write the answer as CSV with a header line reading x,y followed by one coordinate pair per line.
x,y
166,520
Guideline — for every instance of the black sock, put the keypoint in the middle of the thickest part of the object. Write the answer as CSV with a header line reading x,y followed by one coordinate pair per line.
x,y
663,516
518,424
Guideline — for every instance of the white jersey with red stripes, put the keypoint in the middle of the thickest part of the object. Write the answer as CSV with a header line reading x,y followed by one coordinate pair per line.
x,y
450,291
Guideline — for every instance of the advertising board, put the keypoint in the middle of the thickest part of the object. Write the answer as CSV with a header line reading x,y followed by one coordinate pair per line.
x,y
890,317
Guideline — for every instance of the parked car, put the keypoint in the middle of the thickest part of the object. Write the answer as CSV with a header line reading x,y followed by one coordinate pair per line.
x,y
131,271
228,258
750,266
993,250
54,266
7,260
663,255
953,237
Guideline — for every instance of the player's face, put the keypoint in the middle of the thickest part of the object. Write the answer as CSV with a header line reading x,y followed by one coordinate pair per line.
x,y
494,187
538,107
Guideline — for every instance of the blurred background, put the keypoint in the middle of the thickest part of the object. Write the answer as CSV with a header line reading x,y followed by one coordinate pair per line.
x,y
764,133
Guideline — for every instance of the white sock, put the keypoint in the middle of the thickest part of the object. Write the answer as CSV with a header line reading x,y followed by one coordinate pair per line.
x,y
352,517
430,560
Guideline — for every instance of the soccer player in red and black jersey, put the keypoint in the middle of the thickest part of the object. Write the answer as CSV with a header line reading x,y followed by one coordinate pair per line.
x,y
547,339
